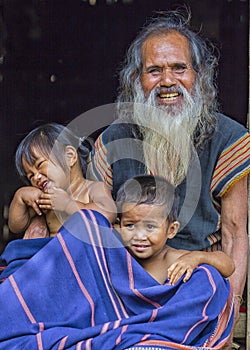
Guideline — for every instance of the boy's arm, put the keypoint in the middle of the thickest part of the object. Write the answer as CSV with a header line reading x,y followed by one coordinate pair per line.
x,y
187,262
23,208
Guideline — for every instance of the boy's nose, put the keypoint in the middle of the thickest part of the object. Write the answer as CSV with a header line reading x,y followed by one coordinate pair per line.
x,y
140,235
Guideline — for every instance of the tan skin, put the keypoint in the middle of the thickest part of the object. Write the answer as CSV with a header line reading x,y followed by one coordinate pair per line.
x,y
234,236
57,193
145,230
167,63
160,55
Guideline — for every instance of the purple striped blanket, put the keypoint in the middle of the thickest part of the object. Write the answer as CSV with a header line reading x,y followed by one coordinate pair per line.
x,y
83,290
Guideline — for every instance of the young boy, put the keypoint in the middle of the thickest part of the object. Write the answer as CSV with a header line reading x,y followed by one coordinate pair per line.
x,y
147,211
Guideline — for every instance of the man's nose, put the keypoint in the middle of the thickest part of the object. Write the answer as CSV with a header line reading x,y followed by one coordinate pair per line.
x,y
167,78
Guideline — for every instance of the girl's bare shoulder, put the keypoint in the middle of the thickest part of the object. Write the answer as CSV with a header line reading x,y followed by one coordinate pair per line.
x,y
94,185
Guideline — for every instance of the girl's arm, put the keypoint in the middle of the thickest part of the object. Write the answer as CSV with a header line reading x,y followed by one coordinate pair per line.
x,y
23,208
102,201
98,198
187,262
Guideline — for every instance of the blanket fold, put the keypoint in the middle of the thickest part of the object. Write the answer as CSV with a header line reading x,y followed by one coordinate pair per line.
x,y
83,290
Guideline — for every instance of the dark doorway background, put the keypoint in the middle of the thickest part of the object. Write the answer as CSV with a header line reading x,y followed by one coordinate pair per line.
x,y
60,58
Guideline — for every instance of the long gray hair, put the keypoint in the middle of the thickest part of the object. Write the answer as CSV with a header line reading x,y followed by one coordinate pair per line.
x,y
204,62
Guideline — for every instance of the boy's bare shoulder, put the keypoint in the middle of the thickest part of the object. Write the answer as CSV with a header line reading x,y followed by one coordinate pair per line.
x,y
173,254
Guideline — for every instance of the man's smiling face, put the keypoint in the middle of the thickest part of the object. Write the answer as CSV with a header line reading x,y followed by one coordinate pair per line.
x,y
167,67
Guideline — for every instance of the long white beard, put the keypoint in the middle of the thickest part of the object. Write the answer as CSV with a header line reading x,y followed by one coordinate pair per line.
x,y
167,133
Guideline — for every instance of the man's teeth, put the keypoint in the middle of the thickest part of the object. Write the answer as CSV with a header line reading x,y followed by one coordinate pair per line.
x,y
170,97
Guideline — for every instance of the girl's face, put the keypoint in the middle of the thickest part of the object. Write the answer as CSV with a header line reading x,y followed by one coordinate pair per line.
x,y
46,173
145,229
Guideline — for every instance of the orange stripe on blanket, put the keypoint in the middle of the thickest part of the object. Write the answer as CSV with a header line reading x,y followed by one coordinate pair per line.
x,y
62,343
132,286
79,281
118,340
98,235
21,300
224,317
39,341
86,221
168,344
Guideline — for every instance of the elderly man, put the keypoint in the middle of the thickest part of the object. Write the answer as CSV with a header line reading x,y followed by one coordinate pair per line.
x,y
167,99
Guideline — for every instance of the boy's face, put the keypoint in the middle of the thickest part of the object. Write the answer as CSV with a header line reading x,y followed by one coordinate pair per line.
x,y
145,229
45,173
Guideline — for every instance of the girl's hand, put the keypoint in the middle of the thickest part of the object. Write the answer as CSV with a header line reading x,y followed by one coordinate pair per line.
x,y
29,196
54,199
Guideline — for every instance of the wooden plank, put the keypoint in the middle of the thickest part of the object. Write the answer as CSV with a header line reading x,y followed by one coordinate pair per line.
x,y
248,275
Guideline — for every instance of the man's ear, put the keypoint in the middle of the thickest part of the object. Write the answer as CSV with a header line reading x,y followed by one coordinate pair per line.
x,y
172,229
71,155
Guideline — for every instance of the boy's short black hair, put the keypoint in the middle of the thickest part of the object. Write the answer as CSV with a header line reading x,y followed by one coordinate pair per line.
x,y
148,189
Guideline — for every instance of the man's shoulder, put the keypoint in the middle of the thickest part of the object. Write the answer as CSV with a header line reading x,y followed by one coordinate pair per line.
x,y
228,125
118,130
227,131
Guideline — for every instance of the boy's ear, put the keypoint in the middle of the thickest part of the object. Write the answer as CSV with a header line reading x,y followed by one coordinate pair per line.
x,y
117,225
71,155
172,229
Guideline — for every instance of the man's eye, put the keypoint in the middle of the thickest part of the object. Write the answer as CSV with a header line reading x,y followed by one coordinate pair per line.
x,y
154,71
179,69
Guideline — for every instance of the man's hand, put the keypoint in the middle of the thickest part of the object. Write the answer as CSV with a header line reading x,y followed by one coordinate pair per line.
x,y
184,264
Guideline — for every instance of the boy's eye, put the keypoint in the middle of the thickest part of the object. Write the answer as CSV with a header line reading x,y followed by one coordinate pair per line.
x,y
130,226
150,226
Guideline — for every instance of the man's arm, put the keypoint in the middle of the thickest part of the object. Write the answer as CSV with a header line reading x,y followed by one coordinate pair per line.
x,y
234,235
187,262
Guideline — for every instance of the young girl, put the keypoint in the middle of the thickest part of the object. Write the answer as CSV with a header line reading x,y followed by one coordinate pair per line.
x,y
53,161
147,210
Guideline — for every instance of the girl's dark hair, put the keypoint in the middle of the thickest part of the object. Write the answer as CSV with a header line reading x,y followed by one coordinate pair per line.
x,y
148,189
50,140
